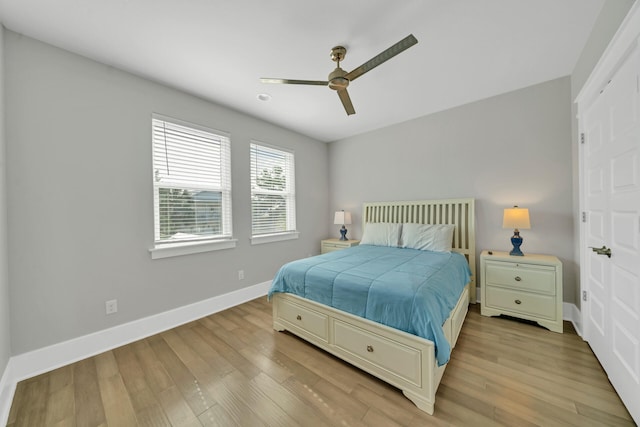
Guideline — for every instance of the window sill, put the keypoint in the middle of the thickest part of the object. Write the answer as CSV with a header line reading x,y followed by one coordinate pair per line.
x,y
178,249
269,238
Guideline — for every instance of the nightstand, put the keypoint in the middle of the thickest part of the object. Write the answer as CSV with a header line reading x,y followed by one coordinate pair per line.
x,y
528,287
330,245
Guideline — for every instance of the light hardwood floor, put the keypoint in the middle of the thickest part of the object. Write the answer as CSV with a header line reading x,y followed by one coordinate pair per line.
x,y
231,368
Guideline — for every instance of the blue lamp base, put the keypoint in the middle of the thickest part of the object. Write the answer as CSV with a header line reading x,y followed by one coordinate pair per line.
x,y
516,241
343,233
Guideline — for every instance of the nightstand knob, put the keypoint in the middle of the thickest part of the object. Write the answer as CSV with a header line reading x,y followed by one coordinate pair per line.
x,y
370,349
518,278
299,317
518,301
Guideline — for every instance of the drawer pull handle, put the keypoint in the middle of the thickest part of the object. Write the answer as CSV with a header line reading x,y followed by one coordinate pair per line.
x,y
518,301
370,349
299,317
518,278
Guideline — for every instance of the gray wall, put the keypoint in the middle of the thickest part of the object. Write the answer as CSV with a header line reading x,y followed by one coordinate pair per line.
x,y
511,149
609,20
5,337
80,197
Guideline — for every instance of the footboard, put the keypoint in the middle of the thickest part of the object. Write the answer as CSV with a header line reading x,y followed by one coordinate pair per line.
x,y
396,357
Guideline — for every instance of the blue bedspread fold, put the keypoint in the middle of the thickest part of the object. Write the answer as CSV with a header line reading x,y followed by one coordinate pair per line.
x,y
406,289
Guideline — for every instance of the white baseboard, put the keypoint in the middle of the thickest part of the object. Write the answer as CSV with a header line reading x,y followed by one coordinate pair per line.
x,y
45,359
7,389
572,313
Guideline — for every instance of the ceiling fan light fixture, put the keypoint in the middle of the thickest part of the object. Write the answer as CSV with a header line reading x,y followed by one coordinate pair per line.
x,y
337,79
338,83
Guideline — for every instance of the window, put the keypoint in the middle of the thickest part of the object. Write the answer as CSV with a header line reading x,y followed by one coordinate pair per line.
x,y
273,195
191,183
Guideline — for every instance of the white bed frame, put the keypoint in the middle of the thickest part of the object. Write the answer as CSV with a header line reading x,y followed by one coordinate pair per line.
x,y
401,359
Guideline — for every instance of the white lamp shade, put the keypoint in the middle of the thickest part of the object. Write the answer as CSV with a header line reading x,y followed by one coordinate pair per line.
x,y
517,218
342,218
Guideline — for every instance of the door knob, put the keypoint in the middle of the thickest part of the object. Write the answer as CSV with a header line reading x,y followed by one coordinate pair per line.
x,y
602,251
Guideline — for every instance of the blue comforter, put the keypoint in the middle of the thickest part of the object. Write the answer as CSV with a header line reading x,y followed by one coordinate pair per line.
x,y
406,289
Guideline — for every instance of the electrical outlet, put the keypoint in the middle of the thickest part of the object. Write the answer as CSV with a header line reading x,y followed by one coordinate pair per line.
x,y
111,306
240,274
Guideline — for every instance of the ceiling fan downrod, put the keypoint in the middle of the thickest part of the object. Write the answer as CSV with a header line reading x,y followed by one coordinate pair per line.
x,y
337,79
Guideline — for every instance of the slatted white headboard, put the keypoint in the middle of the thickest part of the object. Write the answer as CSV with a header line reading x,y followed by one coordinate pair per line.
x,y
460,212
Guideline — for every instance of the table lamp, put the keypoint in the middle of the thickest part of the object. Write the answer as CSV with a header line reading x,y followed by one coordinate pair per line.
x,y
516,218
343,218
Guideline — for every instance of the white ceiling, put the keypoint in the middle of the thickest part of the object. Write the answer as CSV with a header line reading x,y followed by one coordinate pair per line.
x,y
218,49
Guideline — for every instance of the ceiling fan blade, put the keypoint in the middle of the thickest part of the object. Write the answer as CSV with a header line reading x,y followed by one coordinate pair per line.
x,y
346,101
397,48
295,82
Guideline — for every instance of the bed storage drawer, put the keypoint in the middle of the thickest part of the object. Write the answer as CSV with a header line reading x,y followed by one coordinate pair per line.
x,y
457,317
314,323
396,358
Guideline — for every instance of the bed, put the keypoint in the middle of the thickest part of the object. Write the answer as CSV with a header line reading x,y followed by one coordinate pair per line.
x,y
396,354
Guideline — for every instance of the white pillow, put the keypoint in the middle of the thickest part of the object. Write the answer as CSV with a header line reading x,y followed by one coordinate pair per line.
x,y
428,237
381,234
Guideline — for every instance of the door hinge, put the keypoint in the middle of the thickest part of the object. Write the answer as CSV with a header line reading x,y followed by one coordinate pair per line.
x,y
584,217
582,138
584,295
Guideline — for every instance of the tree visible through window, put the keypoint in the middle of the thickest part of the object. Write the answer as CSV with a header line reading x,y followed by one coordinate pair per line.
x,y
189,212
272,190
192,182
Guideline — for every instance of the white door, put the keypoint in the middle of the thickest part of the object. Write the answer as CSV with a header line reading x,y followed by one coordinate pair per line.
x,y
611,199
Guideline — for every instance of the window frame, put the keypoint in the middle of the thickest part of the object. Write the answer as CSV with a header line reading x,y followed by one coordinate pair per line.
x,y
163,248
289,195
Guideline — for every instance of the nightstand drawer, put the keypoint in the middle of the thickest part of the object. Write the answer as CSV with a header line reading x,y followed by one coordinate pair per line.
x,y
521,302
330,245
534,278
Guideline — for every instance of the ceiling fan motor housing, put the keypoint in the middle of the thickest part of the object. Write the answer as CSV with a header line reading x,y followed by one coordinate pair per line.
x,y
337,79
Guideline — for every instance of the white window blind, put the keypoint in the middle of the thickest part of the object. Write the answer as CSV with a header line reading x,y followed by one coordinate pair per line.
x,y
191,182
273,195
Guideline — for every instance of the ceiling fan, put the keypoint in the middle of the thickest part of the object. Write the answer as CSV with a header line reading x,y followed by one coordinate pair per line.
x,y
339,79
